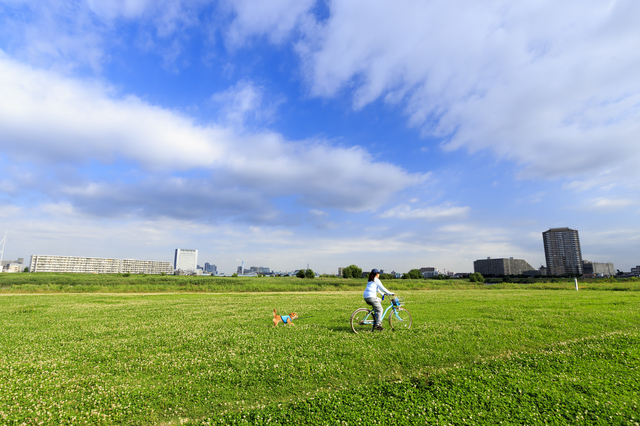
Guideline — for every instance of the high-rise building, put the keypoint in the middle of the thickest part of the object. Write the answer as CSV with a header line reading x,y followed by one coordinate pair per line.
x,y
498,267
208,267
562,251
186,260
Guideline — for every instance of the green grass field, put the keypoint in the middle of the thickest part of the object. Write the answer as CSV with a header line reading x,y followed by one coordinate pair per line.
x,y
474,356
43,283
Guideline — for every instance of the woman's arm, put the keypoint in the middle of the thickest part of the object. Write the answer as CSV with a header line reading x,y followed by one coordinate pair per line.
x,y
381,288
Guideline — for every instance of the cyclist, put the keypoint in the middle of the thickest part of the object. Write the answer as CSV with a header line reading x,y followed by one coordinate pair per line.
x,y
371,296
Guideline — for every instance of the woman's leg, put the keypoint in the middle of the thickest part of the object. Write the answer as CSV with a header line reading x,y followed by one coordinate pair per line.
x,y
376,303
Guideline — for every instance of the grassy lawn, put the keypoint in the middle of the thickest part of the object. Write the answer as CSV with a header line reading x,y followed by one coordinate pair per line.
x,y
513,355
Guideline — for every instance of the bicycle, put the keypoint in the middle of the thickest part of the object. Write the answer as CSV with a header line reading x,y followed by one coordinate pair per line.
x,y
363,319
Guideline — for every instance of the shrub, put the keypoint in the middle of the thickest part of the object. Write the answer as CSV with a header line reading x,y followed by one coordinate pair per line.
x,y
352,271
476,277
413,274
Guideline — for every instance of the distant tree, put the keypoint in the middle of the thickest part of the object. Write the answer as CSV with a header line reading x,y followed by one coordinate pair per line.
x,y
163,273
300,273
26,269
476,277
352,271
413,274
234,275
309,273
387,277
126,274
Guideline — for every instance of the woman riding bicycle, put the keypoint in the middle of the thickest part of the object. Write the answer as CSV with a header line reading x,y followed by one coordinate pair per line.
x,y
371,296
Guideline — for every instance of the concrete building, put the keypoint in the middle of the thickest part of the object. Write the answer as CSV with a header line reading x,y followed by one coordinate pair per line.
x,y
562,251
497,267
186,260
153,267
97,265
259,270
209,268
13,268
635,271
7,262
595,269
429,272
12,265
340,271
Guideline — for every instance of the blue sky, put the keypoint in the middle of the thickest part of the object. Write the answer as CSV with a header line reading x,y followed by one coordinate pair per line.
x,y
293,132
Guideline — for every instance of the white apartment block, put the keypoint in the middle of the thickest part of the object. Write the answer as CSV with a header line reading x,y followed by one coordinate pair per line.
x,y
154,267
186,260
429,272
97,265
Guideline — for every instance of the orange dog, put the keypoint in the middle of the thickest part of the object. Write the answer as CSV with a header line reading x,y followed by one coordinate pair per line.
x,y
285,319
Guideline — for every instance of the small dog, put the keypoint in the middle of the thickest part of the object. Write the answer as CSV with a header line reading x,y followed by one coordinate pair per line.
x,y
285,319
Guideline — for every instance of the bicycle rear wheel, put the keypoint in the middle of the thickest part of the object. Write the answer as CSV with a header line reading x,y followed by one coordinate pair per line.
x,y
362,320
400,319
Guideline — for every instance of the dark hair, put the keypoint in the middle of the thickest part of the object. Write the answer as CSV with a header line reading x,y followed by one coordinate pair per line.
x,y
372,275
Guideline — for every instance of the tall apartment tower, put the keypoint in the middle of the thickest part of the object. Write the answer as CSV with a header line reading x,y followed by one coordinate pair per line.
x,y
186,260
562,251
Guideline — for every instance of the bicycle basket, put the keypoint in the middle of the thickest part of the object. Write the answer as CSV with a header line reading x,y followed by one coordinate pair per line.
x,y
397,301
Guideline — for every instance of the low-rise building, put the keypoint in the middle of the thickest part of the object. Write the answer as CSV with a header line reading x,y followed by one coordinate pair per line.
x,y
499,267
429,272
595,269
5,263
97,265
13,267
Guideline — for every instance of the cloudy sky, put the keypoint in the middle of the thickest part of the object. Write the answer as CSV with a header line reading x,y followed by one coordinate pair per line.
x,y
393,135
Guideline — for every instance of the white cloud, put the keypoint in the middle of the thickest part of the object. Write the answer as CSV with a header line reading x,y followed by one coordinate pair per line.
x,y
244,101
8,210
274,18
549,85
55,120
610,204
443,212
68,35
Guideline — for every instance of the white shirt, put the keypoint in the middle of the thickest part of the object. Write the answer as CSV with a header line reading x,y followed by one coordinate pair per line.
x,y
373,287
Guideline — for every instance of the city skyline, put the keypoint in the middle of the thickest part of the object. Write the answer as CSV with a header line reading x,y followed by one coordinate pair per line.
x,y
562,249
323,133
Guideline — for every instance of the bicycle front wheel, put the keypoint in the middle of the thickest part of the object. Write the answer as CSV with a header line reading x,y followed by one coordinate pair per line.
x,y
362,320
400,319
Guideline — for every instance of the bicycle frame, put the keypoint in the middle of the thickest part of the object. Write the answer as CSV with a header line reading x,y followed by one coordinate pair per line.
x,y
372,314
